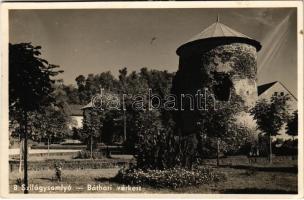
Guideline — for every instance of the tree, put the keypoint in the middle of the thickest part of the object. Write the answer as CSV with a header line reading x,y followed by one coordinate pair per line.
x,y
80,80
116,123
270,116
155,147
71,93
30,87
107,81
236,140
92,128
50,123
292,124
88,86
218,123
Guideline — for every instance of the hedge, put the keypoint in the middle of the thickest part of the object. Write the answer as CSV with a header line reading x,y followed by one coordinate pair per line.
x,y
72,164
58,146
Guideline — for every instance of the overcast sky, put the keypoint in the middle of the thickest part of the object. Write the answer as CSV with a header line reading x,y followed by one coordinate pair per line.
x,y
93,41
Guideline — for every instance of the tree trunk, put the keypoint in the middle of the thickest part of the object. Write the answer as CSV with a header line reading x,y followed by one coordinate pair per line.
x,y
21,147
25,155
48,156
293,156
125,126
270,149
91,147
218,152
20,154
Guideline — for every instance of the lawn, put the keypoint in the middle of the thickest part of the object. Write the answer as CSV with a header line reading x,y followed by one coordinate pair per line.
x,y
258,178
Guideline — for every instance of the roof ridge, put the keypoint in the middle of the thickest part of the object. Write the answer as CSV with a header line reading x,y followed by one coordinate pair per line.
x,y
221,27
273,82
287,90
206,29
214,29
227,28
200,33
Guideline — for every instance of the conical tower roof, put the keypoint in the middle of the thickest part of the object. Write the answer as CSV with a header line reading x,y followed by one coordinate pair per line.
x,y
217,34
217,29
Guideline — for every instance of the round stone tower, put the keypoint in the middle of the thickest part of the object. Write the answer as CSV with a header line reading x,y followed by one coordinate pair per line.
x,y
222,62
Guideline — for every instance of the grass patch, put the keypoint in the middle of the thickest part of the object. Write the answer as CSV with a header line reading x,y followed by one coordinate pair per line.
x,y
277,179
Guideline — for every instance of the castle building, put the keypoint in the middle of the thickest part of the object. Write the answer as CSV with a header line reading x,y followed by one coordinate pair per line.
x,y
222,61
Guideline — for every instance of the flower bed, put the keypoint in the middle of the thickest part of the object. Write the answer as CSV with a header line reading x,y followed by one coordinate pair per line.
x,y
169,178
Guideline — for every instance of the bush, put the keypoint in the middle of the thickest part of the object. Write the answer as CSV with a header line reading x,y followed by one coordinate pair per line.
x,y
169,178
85,154
155,145
287,147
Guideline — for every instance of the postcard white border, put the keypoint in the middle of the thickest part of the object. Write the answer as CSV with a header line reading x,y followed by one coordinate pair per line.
x,y
5,7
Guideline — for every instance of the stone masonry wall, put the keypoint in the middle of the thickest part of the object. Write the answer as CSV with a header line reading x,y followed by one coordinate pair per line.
x,y
227,72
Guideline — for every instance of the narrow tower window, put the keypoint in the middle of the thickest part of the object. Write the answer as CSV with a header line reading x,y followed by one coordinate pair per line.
x,y
222,86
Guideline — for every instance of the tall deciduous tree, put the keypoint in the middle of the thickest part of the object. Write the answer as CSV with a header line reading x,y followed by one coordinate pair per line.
x,y
51,123
271,116
80,80
92,127
292,124
217,121
30,87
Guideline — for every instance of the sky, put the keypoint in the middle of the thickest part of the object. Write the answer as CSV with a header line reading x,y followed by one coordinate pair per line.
x,y
98,40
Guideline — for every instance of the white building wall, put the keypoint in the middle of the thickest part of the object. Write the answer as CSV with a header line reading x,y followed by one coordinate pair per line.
x,y
77,122
293,105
